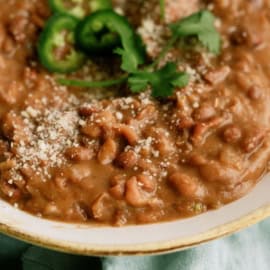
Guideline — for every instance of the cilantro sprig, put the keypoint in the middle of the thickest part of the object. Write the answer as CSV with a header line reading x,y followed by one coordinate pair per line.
x,y
132,52
201,25
162,80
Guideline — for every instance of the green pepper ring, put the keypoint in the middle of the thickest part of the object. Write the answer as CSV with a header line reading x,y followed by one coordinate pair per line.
x,y
47,42
78,11
103,31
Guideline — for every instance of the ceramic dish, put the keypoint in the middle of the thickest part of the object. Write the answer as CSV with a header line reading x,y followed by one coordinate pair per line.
x,y
137,240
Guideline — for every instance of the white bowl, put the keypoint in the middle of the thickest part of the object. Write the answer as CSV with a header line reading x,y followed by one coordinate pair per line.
x,y
143,239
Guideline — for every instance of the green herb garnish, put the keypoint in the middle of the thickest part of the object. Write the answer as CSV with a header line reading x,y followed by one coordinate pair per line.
x,y
162,80
132,53
201,25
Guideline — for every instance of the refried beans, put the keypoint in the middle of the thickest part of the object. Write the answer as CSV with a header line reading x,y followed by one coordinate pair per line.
x,y
109,156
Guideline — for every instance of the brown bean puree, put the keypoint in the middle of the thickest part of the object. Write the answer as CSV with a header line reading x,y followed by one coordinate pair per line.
x,y
107,156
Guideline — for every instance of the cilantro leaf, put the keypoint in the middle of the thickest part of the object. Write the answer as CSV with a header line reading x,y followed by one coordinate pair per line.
x,y
132,53
211,40
162,81
139,81
200,24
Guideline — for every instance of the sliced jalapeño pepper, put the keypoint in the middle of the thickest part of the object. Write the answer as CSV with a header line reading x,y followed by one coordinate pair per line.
x,y
103,31
79,8
56,45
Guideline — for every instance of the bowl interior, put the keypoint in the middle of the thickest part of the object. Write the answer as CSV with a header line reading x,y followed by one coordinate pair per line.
x,y
163,237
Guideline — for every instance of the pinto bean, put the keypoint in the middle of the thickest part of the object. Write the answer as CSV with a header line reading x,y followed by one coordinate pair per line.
x,y
134,195
77,172
79,153
118,191
199,132
217,76
30,74
61,182
204,112
197,159
146,183
91,130
17,28
239,37
178,9
163,143
87,110
187,185
12,94
253,140
255,92
52,209
38,21
8,45
105,118
231,157
129,134
213,171
185,122
3,35
222,3
6,165
80,211
121,217
3,150
116,179
108,152
149,112
10,191
100,124
27,172
14,128
42,9
201,129
103,208
149,216
145,165
127,159
232,134
243,82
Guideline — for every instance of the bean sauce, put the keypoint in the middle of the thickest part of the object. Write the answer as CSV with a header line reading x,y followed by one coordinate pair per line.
x,y
111,157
